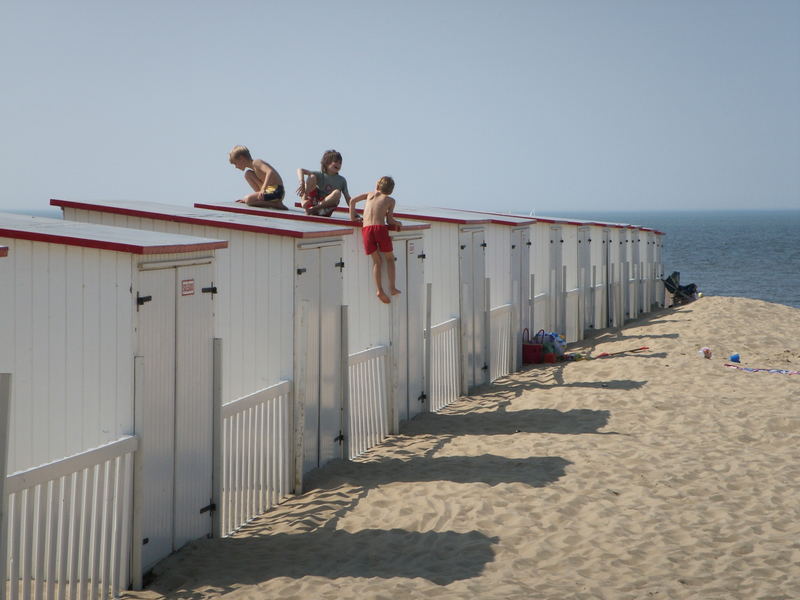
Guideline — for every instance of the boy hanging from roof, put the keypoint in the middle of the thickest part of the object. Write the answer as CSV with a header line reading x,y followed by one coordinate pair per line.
x,y
323,189
267,184
378,216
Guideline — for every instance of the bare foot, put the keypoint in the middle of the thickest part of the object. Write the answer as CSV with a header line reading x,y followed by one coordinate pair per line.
x,y
395,291
383,297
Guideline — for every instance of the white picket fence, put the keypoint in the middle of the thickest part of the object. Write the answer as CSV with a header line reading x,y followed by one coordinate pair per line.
x,y
445,361
369,399
69,525
256,455
501,351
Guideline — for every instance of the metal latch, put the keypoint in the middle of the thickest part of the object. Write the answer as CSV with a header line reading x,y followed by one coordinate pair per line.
x,y
422,256
340,264
422,397
142,299
301,271
209,290
483,245
484,367
211,507
339,438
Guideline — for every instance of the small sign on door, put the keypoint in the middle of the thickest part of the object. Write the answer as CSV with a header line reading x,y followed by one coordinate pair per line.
x,y
411,247
187,287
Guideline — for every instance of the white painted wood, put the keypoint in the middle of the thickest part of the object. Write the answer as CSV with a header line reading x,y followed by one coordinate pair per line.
x,y
500,359
369,415
5,404
446,364
193,402
69,519
257,460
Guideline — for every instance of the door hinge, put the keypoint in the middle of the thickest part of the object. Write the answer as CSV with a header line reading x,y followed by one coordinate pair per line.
x,y
301,271
211,507
140,300
209,290
339,438
340,264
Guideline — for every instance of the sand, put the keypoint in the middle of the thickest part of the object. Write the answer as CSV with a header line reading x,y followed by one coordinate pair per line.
x,y
658,474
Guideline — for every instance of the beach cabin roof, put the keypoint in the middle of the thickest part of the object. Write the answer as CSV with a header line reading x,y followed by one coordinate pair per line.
x,y
103,237
227,220
340,217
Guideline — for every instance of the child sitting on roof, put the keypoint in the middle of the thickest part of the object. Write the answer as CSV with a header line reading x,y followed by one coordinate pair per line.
x,y
378,214
267,184
323,189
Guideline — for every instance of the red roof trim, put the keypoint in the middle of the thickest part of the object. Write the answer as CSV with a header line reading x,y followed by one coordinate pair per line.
x,y
246,210
209,222
68,240
417,217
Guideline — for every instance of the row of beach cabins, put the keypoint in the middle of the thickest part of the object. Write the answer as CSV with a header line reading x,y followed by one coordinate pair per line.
x,y
171,372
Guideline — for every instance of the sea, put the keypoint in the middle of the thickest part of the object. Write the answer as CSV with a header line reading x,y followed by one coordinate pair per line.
x,y
745,253
750,254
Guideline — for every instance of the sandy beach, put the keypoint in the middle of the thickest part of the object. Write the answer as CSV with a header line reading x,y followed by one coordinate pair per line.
x,y
658,474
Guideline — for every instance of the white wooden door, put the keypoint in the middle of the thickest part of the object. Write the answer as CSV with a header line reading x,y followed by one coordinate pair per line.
x,y
520,289
415,310
173,415
194,333
318,290
330,344
155,412
556,312
607,304
399,316
407,310
472,270
585,277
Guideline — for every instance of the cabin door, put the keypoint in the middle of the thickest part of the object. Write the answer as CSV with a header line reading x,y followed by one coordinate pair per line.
x,y
407,310
472,272
173,407
585,279
520,288
556,282
318,300
606,307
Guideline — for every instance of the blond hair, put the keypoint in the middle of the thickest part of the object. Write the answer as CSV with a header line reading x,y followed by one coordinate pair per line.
x,y
239,151
385,185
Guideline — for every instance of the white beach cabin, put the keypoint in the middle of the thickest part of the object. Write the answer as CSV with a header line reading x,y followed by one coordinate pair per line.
x,y
108,334
278,298
456,269
384,342
507,267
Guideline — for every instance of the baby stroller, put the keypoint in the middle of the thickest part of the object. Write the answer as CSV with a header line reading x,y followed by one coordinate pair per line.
x,y
681,294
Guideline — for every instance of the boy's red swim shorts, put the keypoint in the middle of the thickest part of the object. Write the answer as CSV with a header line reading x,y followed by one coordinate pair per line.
x,y
376,237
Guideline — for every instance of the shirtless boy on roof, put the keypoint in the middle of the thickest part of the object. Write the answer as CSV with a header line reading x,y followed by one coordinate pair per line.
x,y
378,216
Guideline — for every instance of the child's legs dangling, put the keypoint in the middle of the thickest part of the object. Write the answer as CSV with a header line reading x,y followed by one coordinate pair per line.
x,y
390,272
376,275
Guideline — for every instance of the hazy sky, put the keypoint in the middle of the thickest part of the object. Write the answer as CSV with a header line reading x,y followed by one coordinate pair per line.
x,y
509,105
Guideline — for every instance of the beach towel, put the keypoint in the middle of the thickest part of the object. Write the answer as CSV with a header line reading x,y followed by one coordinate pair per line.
x,y
756,370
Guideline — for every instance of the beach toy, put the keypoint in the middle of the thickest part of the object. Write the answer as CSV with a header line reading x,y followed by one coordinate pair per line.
x,y
705,352
604,354
735,358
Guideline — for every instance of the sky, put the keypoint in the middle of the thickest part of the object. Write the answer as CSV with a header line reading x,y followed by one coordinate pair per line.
x,y
511,105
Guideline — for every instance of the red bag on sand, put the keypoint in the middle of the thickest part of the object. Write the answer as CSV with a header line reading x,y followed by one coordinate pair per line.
x,y
531,353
